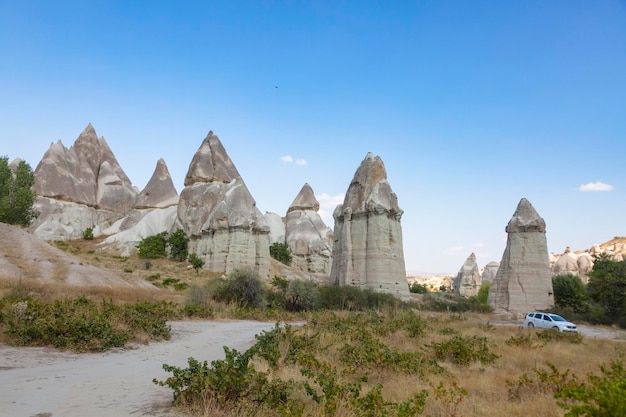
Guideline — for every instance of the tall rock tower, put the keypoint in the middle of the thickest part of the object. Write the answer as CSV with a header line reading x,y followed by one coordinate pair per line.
x,y
306,235
467,282
219,215
367,251
523,282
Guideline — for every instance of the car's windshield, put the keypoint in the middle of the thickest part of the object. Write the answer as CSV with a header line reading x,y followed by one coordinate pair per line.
x,y
557,318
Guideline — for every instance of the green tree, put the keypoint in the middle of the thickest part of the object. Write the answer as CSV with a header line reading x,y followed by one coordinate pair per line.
x,y
281,252
418,288
244,287
570,292
607,287
153,246
196,262
178,244
483,292
16,196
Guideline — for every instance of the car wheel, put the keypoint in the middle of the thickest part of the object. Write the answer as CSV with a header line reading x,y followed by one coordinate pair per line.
x,y
556,328
530,325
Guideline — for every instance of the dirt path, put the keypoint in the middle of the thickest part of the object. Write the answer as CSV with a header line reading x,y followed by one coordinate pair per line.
x,y
46,383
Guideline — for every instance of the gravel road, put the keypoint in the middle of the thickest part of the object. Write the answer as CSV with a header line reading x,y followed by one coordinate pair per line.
x,y
43,382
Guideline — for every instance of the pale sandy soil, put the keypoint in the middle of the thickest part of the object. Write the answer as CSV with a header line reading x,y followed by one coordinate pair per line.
x,y
44,382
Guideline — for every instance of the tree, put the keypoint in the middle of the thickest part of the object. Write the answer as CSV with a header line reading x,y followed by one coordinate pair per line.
x,y
281,252
153,246
570,292
607,286
483,292
178,244
16,196
196,262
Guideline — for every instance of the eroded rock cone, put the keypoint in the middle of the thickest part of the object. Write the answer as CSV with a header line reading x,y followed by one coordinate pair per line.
x,y
306,235
523,282
218,213
80,187
367,251
467,281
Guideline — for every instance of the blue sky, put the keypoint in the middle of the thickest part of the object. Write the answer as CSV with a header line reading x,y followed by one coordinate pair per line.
x,y
471,105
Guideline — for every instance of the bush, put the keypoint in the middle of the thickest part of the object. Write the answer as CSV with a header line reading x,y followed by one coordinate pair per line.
x,y
196,262
418,288
483,292
153,246
602,395
281,252
301,296
351,298
178,244
243,287
88,233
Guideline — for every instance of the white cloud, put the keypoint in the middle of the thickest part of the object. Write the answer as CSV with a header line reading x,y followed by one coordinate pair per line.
x,y
301,161
595,186
287,158
328,204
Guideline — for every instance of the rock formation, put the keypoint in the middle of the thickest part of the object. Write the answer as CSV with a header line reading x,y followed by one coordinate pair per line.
x,y
219,215
585,265
154,212
490,271
80,187
523,282
566,264
26,257
467,282
367,248
306,235
277,227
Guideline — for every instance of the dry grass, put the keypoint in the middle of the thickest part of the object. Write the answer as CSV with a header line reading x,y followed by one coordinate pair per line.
x,y
488,386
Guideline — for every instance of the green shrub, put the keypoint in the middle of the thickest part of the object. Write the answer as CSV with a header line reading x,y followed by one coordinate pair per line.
x,y
601,395
281,252
196,262
351,298
88,234
464,350
16,195
153,246
483,292
243,287
178,244
418,288
301,296
85,325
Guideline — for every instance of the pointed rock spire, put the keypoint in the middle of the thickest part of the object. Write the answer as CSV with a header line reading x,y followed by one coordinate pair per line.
x,y
367,251
306,235
523,282
468,281
219,215
160,191
211,163
526,219
305,200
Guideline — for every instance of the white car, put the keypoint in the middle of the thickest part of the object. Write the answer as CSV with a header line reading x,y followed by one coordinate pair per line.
x,y
548,321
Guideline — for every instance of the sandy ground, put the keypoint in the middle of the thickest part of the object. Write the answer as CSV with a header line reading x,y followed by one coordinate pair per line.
x,y
43,382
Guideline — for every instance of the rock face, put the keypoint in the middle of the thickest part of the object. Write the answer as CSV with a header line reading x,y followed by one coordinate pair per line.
x,y
490,271
26,257
523,282
277,227
306,235
219,215
154,212
367,248
467,281
80,187
566,264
